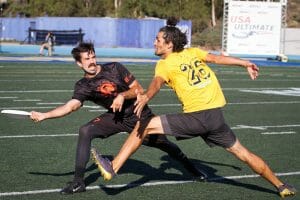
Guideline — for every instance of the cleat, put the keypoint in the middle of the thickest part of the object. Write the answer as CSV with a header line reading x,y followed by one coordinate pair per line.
x,y
286,190
73,187
103,164
199,175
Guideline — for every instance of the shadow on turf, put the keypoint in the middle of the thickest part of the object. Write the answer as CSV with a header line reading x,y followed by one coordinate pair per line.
x,y
151,174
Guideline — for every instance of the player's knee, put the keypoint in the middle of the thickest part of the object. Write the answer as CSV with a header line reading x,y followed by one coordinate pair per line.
x,y
240,152
85,131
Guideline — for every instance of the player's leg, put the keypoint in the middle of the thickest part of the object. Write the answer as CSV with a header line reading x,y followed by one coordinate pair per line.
x,y
133,142
100,127
259,166
49,49
220,134
177,125
42,49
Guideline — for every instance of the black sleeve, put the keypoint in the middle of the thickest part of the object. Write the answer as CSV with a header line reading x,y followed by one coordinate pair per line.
x,y
125,74
80,93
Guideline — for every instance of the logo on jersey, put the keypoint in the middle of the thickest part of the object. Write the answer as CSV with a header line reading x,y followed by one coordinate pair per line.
x,y
197,73
107,88
127,78
98,119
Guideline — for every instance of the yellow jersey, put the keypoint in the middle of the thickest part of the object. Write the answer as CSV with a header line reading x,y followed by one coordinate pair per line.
x,y
195,84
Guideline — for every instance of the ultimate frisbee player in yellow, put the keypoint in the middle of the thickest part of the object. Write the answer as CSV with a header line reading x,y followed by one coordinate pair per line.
x,y
197,88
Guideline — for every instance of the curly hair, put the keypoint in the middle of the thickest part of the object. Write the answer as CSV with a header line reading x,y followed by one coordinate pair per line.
x,y
82,48
174,35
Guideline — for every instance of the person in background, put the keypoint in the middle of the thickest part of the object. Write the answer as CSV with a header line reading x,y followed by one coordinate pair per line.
x,y
197,87
48,44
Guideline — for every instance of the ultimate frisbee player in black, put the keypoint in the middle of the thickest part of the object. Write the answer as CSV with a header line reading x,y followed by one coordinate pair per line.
x,y
112,86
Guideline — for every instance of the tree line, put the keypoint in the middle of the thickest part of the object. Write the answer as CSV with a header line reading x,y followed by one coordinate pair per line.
x,y
199,11
206,15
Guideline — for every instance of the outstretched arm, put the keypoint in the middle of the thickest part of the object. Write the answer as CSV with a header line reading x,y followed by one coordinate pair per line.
x,y
227,60
142,99
60,111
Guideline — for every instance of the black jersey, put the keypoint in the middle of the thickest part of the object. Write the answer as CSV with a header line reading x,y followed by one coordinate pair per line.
x,y
113,79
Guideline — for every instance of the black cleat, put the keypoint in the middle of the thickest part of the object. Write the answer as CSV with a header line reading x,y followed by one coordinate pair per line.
x,y
73,187
199,175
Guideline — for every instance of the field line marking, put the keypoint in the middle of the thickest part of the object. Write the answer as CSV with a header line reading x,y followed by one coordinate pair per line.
x,y
148,184
33,91
8,97
33,136
264,127
278,133
26,100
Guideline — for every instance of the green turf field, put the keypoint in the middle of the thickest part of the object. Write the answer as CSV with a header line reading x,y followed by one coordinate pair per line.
x,y
38,159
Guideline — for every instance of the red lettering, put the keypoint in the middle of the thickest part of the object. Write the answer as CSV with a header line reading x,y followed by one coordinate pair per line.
x,y
240,19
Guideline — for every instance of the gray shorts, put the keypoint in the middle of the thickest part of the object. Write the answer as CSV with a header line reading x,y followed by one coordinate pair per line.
x,y
208,124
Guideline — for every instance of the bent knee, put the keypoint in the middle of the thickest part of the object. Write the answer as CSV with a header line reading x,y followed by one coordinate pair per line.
x,y
88,131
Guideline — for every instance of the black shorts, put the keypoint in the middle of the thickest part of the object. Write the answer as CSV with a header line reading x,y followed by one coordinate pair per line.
x,y
208,124
110,123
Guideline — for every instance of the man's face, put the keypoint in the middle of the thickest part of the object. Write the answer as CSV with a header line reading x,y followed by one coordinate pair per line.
x,y
162,48
88,63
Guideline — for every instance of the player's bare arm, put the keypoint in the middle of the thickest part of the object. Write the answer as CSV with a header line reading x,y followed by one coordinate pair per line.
x,y
142,99
71,106
129,94
227,60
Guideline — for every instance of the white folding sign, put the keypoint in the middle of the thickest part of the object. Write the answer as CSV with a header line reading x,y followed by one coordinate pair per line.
x,y
254,27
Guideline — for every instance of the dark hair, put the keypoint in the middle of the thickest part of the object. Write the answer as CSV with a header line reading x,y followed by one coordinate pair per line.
x,y
81,48
174,35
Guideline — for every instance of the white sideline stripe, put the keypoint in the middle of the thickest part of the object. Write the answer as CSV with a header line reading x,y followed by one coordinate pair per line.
x,y
50,103
265,102
142,185
32,136
241,103
279,133
30,100
33,91
27,107
34,80
264,127
8,97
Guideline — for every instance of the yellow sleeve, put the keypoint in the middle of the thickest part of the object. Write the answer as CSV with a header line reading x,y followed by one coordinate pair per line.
x,y
161,70
200,53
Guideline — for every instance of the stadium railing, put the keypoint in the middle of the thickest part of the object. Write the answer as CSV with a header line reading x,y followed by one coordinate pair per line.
x,y
61,37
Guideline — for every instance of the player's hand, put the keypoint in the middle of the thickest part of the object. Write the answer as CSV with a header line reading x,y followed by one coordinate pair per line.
x,y
118,103
252,70
141,101
37,116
